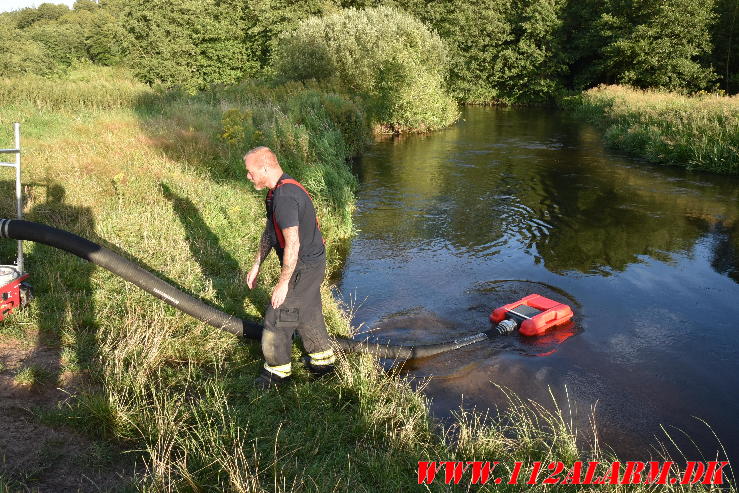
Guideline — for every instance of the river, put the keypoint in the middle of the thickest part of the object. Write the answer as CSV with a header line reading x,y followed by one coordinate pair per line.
x,y
513,201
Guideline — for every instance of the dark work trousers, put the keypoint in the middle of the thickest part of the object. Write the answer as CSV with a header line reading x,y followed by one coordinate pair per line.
x,y
301,310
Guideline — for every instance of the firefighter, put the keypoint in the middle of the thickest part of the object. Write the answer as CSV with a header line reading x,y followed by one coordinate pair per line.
x,y
292,230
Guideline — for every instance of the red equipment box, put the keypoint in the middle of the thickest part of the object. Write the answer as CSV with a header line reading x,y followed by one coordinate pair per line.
x,y
12,297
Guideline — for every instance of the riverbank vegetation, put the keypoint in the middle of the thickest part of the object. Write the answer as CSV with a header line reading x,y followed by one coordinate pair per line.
x,y
494,52
699,132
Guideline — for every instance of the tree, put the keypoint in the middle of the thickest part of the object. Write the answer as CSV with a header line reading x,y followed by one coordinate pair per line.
x,y
191,43
64,42
499,50
530,65
44,12
266,20
582,43
653,43
105,41
726,41
474,34
88,5
20,55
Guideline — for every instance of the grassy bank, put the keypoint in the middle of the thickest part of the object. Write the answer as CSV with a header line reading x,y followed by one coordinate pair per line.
x,y
697,132
161,181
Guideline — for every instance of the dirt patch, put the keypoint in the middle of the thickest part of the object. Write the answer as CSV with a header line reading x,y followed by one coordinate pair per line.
x,y
38,457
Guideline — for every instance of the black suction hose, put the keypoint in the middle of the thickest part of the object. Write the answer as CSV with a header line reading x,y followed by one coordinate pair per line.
x,y
26,230
407,352
98,255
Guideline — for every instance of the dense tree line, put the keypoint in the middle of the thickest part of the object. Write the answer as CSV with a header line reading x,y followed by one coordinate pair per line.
x,y
47,40
498,50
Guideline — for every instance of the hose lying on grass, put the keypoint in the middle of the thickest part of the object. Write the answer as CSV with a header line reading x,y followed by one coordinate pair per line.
x,y
130,271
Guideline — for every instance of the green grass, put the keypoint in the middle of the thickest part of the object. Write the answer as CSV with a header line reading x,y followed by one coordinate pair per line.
x,y
161,182
34,376
697,132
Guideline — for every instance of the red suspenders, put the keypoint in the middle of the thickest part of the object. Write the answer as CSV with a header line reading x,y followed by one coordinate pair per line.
x,y
278,231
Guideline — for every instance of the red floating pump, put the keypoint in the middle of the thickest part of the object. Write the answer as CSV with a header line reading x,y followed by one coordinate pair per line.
x,y
533,314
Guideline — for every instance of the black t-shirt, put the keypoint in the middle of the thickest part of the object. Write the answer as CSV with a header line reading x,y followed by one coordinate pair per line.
x,y
293,207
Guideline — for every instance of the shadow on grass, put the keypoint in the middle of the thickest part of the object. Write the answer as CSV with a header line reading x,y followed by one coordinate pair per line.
x,y
327,435
61,361
66,306
220,267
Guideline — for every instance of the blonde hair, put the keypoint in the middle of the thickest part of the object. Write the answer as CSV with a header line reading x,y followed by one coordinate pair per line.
x,y
265,155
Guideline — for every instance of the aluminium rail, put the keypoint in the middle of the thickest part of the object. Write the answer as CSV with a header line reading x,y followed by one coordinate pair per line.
x,y
18,195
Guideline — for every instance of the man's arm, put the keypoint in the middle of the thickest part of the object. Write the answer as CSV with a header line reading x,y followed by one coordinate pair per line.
x,y
265,246
289,261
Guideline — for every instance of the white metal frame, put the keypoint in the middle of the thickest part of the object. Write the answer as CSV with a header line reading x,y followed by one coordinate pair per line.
x,y
18,193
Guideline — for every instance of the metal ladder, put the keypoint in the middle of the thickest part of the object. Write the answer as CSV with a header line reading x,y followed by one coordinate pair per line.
x,y
18,195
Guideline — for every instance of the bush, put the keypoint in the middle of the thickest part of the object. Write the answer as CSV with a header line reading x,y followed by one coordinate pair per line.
x,y
387,57
312,132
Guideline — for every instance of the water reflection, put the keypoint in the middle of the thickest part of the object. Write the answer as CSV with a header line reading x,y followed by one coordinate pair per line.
x,y
571,206
725,239
647,256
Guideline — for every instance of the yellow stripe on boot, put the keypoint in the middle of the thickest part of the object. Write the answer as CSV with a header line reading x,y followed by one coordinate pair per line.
x,y
322,358
282,371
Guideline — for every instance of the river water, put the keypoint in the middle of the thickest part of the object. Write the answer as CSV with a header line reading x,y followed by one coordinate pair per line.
x,y
510,202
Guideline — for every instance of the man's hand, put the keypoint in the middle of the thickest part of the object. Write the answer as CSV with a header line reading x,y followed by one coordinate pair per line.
x,y
279,294
251,276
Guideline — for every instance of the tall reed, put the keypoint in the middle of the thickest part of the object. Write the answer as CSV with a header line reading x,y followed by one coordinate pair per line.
x,y
697,132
